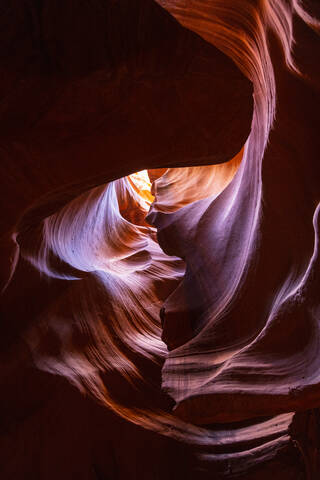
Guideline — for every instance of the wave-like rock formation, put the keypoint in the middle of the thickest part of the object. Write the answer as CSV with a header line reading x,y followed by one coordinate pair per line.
x,y
171,333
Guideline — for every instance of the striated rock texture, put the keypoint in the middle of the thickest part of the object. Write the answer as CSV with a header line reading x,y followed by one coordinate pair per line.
x,y
183,341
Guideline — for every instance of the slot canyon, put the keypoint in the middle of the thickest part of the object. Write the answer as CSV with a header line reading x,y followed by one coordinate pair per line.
x,y
160,280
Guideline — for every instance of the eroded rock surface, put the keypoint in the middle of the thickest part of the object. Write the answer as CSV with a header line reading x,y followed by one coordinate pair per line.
x,y
190,351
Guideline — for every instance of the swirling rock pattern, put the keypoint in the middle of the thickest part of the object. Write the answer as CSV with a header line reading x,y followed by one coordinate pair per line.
x,y
182,342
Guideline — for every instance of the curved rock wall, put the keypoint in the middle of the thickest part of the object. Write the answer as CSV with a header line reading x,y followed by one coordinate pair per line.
x,y
184,344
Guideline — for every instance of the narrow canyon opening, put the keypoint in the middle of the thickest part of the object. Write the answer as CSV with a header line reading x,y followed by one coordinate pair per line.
x,y
159,239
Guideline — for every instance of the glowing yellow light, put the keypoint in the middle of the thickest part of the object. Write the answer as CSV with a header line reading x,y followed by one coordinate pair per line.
x,y
142,185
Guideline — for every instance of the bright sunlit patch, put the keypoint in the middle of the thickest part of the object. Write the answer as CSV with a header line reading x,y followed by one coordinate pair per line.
x,y
142,185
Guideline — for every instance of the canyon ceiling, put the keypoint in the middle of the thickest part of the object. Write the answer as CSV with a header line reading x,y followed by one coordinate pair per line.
x,y
166,324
